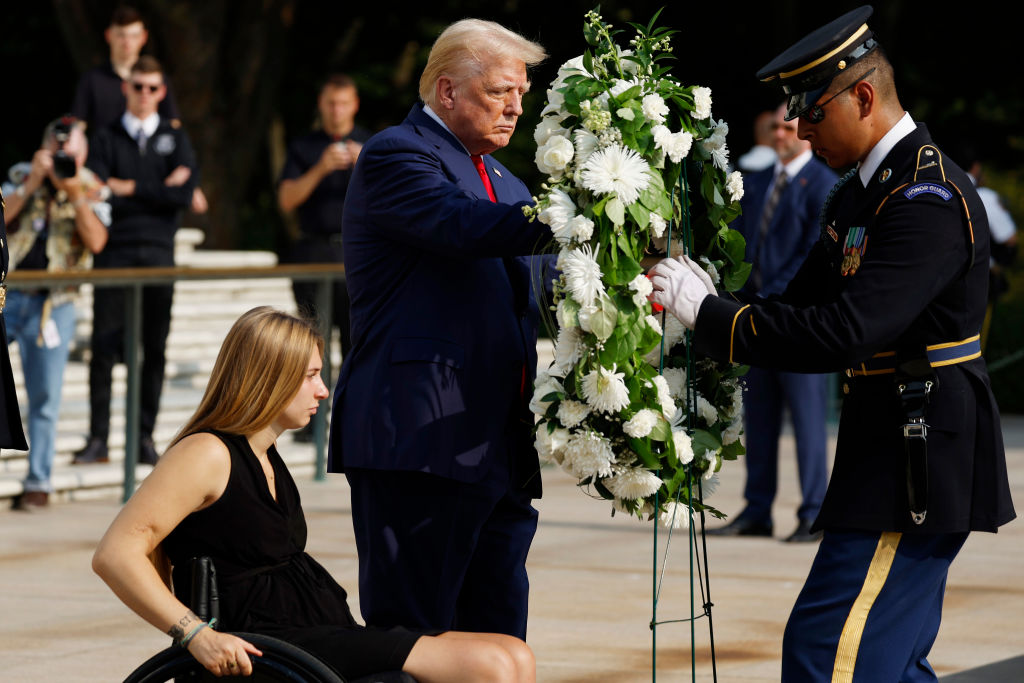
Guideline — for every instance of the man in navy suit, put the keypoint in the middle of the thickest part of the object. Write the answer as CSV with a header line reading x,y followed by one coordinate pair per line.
x,y
431,422
781,207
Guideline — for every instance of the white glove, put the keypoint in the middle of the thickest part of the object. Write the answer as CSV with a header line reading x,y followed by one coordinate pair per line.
x,y
679,289
700,272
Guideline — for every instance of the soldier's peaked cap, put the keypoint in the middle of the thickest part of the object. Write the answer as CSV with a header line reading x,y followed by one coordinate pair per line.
x,y
806,69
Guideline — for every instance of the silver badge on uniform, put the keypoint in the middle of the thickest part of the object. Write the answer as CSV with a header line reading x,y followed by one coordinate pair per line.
x,y
164,144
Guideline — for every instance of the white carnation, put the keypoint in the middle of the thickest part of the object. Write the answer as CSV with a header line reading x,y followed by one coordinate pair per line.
x,y
642,287
675,145
707,412
654,108
580,228
684,446
734,184
551,445
641,424
658,225
633,484
542,386
668,405
732,432
676,379
701,103
653,323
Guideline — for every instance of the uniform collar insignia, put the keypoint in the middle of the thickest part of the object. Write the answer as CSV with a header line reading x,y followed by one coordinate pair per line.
x,y
884,175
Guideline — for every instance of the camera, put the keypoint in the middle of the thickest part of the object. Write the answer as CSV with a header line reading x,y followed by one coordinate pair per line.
x,y
64,165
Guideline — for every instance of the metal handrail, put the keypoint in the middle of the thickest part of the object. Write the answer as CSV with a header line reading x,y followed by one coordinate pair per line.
x,y
134,279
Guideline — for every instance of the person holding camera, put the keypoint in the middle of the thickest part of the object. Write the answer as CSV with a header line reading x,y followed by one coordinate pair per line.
x,y
59,214
148,164
314,183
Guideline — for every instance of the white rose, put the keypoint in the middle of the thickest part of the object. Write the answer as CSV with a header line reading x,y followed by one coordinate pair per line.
x,y
553,156
544,384
547,127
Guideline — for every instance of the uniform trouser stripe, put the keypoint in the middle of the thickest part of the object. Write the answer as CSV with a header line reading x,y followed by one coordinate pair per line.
x,y
853,629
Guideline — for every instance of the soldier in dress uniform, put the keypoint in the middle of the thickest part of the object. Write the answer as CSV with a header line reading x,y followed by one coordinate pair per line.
x,y
12,435
893,294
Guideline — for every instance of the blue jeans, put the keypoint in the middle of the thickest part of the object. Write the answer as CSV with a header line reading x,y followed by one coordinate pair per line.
x,y
44,376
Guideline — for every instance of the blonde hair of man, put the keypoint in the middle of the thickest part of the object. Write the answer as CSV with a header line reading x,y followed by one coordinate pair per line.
x,y
258,371
464,48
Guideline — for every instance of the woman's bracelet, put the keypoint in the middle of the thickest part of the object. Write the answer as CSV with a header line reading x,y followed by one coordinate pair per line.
x,y
192,634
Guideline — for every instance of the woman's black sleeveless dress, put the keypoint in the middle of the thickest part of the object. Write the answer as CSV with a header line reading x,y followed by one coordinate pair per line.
x,y
267,582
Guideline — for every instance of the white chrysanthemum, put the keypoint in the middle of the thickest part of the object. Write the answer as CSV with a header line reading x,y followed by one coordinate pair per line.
x,y
605,390
542,386
676,379
707,412
710,269
675,331
668,405
658,225
580,228
572,413
551,445
642,288
616,169
568,349
633,484
554,155
676,515
710,484
548,126
701,103
588,454
720,157
654,108
732,432
583,276
641,424
718,135
559,211
683,444
586,144
653,323
734,184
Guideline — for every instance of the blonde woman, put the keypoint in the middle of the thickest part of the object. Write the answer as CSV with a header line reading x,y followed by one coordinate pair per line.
x,y
222,490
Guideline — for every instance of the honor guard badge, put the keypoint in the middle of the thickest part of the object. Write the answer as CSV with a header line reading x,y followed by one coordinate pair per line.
x,y
856,240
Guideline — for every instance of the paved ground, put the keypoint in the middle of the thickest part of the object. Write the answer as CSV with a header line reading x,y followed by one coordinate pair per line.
x,y
591,599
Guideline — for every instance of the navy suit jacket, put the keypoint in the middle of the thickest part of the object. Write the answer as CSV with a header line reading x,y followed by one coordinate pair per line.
x,y
794,227
443,314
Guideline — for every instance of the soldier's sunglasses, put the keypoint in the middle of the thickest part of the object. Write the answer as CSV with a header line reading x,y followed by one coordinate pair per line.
x,y
816,114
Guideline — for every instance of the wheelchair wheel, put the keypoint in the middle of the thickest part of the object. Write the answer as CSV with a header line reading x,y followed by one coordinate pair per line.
x,y
281,661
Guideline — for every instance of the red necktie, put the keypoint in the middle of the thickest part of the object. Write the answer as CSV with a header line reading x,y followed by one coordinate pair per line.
x,y
478,161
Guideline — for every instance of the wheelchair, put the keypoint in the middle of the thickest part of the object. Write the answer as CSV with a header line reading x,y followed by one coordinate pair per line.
x,y
281,661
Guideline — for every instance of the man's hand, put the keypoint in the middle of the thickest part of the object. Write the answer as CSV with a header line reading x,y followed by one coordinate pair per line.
x,y
121,187
178,176
679,288
338,156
